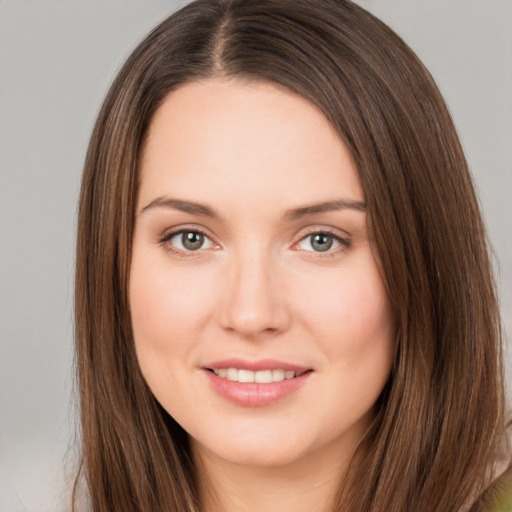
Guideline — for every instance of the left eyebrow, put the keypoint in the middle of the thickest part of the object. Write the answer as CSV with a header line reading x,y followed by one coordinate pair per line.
x,y
180,204
328,206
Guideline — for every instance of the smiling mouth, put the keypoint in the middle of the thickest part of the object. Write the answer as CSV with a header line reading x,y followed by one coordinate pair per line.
x,y
260,376
256,383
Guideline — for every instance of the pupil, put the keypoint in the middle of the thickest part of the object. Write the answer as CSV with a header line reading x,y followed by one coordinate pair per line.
x,y
192,240
321,242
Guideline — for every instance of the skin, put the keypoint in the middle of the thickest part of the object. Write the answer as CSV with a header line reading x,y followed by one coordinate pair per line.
x,y
258,289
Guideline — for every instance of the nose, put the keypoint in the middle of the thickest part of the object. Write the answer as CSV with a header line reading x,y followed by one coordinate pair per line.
x,y
253,301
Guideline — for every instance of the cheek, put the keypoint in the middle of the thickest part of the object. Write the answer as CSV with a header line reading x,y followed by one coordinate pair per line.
x,y
161,302
167,321
166,317
351,315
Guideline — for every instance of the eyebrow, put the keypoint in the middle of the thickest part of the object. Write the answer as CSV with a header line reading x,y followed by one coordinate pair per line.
x,y
328,206
291,215
182,205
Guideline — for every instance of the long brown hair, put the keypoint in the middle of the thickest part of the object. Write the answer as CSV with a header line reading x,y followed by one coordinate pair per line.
x,y
440,419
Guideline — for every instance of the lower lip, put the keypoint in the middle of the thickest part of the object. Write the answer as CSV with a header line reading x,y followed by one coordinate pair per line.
x,y
252,394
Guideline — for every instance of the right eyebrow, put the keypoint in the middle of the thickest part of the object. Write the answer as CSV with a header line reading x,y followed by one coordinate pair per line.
x,y
327,206
181,205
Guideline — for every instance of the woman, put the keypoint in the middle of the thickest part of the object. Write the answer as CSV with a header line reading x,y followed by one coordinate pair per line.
x,y
283,292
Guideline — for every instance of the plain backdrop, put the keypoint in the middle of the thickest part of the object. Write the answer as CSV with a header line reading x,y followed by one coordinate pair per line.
x,y
57,59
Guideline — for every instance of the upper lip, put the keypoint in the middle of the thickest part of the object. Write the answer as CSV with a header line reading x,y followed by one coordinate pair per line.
x,y
260,364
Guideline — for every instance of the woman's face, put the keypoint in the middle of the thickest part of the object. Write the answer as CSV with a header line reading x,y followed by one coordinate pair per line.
x,y
251,261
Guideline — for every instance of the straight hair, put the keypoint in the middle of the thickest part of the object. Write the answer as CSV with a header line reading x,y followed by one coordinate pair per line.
x,y
440,420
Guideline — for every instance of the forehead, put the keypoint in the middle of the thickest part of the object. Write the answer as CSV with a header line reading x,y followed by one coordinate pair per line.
x,y
229,139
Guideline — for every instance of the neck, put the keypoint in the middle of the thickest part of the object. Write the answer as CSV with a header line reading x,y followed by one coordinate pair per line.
x,y
309,484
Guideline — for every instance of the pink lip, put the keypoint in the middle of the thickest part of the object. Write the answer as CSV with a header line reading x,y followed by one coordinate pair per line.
x,y
254,394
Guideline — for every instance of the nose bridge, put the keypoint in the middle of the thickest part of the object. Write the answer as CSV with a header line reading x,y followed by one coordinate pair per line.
x,y
253,303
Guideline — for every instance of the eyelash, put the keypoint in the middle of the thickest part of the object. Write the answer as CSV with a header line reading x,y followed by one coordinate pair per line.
x,y
344,243
167,237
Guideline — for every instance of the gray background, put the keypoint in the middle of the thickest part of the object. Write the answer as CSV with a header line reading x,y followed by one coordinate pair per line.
x,y
57,59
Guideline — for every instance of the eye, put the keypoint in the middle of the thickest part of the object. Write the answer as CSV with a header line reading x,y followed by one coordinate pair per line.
x,y
188,240
321,241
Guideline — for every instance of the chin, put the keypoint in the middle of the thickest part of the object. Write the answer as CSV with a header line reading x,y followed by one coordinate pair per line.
x,y
263,458
255,449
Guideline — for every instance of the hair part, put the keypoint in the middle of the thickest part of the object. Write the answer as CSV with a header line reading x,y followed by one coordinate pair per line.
x,y
440,416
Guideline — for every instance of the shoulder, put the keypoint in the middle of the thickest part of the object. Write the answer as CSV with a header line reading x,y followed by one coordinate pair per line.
x,y
497,496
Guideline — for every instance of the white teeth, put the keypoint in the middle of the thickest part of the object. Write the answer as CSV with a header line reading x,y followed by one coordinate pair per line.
x,y
263,376
232,374
277,375
245,376
260,376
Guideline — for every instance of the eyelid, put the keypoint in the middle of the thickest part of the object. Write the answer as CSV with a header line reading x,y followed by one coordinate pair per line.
x,y
343,239
183,228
